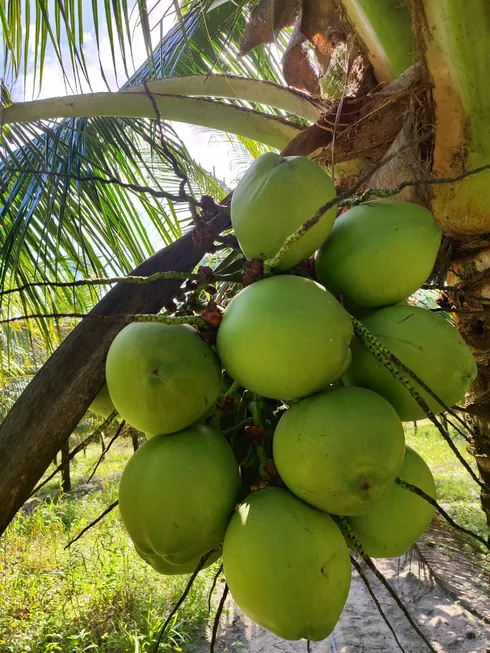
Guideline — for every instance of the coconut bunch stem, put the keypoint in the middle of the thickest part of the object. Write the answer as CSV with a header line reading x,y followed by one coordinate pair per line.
x,y
360,550
441,511
372,594
137,280
399,371
181,599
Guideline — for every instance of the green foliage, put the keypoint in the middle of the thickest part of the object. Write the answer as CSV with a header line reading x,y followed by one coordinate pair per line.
x,y
99,595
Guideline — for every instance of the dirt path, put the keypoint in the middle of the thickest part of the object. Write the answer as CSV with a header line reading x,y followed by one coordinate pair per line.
x,y
361,629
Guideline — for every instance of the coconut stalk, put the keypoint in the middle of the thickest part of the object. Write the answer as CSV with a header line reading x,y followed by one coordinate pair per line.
x,y
384,28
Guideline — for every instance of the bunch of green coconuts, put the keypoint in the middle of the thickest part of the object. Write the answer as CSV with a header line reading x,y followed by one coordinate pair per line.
x,y
338,445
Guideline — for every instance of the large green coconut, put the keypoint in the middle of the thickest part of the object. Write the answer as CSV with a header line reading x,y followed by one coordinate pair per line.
x,y
340,450
160,565
102,404
284,337
428,345
177,494
161,378
379,253
287,565
273,199
393,526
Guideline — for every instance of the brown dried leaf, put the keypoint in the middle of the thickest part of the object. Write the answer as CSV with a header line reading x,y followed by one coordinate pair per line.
x,y
284,13
406,165
318,17
297,68
268,18
309,140
323,27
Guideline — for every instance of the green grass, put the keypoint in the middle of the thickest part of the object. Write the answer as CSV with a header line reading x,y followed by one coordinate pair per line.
x,y
98,596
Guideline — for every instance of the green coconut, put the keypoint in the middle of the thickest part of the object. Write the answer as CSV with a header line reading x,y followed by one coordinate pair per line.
x,y
102,404
340,450
393,526
284,337
379,253
428,345
273,199
287,565
177,494
160,565
161,378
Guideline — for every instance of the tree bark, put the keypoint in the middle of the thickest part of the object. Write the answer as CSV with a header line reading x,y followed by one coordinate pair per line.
x,y
470,268
65,472
57,397
134,439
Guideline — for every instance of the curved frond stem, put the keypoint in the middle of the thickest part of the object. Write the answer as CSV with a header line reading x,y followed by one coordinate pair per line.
x,y
272,130
238,88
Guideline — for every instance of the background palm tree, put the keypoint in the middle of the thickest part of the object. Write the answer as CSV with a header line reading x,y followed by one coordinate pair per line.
x,y
372,77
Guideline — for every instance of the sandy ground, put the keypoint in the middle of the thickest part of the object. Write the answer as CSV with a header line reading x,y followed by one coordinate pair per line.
x,y
361,629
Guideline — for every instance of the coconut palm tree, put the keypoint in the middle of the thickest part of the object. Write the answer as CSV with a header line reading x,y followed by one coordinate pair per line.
x,y
379,91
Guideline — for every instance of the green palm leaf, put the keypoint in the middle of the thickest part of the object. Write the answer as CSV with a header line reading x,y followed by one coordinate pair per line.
x,y
57,228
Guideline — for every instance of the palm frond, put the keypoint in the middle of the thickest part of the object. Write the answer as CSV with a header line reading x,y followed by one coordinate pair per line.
x,y
31,28
201,39
55,227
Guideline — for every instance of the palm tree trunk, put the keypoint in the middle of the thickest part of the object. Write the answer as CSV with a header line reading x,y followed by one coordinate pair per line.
x,y
134,439
473,321
65,472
